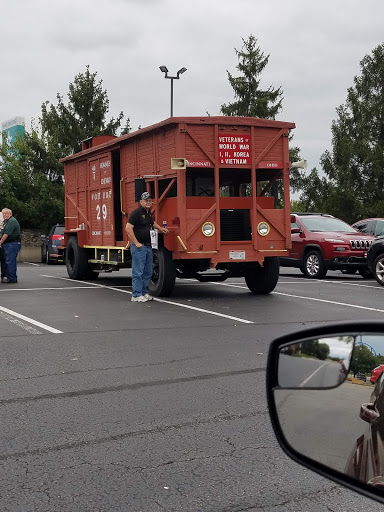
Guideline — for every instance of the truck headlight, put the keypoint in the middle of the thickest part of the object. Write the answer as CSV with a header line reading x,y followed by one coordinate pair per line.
x,y
263,228
208,229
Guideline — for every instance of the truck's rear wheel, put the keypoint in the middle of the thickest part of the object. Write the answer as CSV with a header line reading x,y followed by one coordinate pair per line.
x,y
163,275
263,280
76,260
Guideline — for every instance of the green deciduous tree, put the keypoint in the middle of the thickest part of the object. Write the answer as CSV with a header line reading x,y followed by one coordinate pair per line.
x,y
363,360
353,187
31,176
250,100
31,180
83,116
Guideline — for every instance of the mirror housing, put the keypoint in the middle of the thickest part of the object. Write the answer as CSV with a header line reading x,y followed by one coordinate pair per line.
x,y
313,457
295,230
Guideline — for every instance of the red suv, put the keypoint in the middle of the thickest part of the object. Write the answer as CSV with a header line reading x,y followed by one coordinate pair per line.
x,y
376,372
321,242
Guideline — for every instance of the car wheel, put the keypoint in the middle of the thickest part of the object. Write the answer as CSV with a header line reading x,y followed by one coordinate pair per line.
x,y
378,269
314,267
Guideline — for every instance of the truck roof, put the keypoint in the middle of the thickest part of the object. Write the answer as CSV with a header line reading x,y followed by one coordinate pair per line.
x,y
208,120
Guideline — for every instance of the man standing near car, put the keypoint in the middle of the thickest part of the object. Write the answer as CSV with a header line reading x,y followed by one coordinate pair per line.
x,y
138,229
10,243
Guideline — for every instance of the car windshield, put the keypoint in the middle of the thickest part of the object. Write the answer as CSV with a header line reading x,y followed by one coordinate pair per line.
x,y
59,230
326,224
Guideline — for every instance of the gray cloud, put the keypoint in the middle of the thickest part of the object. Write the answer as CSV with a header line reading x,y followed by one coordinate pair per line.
x,y
315,50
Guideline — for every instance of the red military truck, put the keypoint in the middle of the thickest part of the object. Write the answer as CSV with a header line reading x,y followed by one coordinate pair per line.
x,y
212,180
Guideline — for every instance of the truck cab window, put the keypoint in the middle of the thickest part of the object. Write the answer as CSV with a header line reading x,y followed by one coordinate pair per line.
x,y
200,182
235,183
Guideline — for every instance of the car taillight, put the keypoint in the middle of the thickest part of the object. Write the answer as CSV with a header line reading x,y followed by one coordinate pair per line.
x,y
56,237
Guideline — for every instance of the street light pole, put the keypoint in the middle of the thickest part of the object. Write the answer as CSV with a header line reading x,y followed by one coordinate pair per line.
x,y
164,70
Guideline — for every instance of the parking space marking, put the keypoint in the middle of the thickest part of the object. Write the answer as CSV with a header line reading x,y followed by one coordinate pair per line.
x,y
30,320
19,323
324,281
178,304
310,298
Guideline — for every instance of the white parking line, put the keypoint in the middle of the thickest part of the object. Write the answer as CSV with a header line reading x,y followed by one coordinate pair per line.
x,y
312,375
30,320
310,298
19,323
178,304
324,281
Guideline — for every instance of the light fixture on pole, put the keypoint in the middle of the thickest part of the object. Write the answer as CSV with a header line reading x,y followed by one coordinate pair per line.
x,y
164,70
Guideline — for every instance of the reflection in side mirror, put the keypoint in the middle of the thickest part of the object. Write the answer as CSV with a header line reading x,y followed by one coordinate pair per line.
x,y
317,363
323,415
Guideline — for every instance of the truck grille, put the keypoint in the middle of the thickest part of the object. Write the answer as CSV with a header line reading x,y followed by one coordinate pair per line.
x,y
235,225
361,244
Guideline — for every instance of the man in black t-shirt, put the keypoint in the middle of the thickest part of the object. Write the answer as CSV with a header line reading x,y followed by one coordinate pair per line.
x,y
138,228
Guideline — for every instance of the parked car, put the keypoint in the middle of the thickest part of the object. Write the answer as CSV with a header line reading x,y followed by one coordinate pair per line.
x,y
376,372
375,260
321,242
370,226
50,243
361,376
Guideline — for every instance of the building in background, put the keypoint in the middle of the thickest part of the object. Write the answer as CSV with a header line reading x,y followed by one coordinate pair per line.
x,y
12,127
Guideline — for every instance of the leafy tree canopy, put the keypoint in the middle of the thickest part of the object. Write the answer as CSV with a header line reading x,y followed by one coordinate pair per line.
x,y
83,116
353,186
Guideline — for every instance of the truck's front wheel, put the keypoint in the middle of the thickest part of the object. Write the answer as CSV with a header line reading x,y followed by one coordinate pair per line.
x,y
163,275
76,260
263,280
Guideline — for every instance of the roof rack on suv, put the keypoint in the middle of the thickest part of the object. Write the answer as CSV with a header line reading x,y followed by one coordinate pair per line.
x,y
312,213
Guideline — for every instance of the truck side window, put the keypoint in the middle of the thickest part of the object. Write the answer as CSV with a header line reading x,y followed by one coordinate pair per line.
x,y
235,183
200,182
163,184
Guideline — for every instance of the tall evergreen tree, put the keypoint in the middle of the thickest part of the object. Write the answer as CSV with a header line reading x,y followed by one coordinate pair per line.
x,y
355,166
250,100
84,116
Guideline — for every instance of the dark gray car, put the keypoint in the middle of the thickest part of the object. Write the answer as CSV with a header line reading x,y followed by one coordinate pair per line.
x,y
50,243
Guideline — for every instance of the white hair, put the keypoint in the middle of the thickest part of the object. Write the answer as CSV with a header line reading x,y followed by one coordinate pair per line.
x,y
6,210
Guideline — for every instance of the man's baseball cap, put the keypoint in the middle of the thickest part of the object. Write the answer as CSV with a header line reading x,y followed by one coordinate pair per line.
x,y
146,195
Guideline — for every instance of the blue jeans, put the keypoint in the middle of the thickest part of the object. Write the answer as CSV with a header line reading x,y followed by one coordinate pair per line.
x,y
11,250
141,269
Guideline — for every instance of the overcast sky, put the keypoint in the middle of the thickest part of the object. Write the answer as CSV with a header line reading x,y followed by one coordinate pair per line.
x,y
315,49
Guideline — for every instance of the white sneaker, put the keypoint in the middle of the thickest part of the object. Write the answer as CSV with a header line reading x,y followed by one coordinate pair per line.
x,y
148,297
142,298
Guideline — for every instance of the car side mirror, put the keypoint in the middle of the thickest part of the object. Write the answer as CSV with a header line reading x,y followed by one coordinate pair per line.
x,y
323,417
295,230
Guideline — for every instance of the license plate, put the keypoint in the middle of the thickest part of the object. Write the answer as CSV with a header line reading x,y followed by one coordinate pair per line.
x,y
237,255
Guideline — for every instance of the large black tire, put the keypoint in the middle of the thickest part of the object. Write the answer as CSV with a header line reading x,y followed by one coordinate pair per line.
x,y
163,278
365,273
313,265
77,261
263,280
378,269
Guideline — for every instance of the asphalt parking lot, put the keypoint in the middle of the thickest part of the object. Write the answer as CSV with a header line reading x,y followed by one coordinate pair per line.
x,y
109,405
